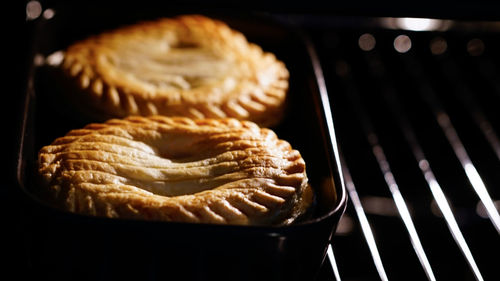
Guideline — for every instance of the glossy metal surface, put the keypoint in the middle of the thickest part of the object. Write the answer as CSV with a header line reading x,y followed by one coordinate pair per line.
x,y
414,104
60,244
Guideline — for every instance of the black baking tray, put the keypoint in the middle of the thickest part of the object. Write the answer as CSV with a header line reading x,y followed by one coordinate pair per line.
x,y
65,246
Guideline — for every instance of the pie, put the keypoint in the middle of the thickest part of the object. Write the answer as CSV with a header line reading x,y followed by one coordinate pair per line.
x,y
191,66
222,171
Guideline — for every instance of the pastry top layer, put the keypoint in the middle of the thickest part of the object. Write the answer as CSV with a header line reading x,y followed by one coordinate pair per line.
x,y
176,169
189,66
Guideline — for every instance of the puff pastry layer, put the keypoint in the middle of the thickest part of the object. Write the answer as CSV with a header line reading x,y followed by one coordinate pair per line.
x,y
190,66
221,171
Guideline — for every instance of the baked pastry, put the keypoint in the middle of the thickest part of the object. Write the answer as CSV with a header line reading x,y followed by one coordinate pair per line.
x,y
221,171
190,66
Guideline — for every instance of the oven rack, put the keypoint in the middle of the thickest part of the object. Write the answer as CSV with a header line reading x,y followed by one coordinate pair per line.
x,y
416,116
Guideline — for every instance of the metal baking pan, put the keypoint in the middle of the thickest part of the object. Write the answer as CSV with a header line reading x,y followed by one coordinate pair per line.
x,y
66,246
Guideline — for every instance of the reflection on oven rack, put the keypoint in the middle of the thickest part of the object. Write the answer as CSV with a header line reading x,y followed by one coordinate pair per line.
x,y
413,104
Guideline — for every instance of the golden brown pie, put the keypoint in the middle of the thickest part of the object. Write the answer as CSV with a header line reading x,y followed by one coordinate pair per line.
x,y
221,171
190,66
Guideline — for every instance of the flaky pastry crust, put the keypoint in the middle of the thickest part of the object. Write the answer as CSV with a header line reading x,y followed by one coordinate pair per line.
x,y
220,171
190,66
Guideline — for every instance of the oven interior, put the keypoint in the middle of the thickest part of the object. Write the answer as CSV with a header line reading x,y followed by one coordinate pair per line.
x,y
415,106
414,101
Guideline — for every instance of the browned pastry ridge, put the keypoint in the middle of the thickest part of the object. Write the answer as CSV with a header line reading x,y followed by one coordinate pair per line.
x,y
221,171
190,66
